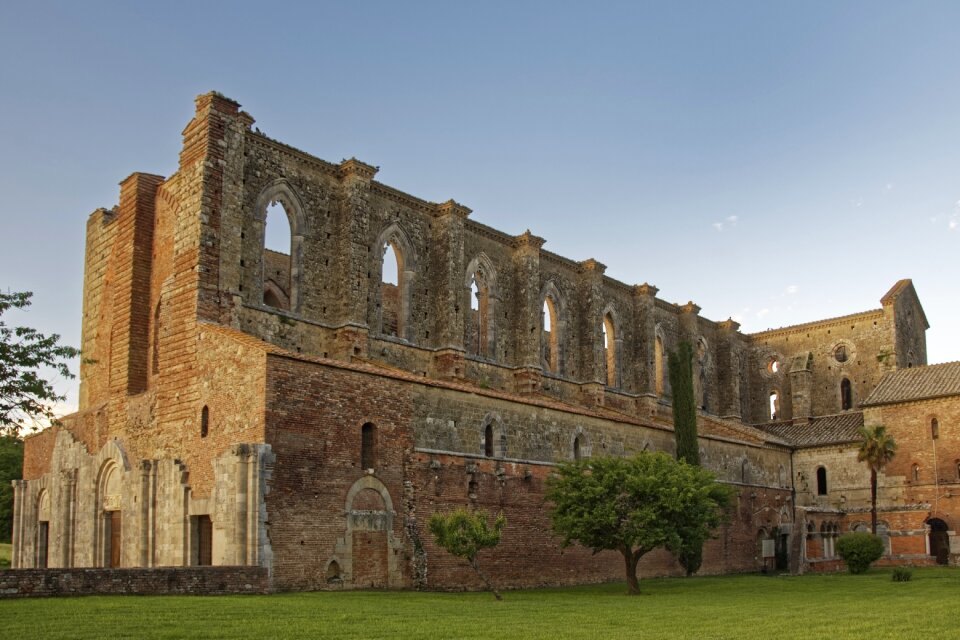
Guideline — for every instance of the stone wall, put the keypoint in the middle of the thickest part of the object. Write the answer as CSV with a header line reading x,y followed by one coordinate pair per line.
x,y
38,583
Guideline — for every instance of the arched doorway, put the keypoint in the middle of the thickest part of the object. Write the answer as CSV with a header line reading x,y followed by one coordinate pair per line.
x,y
939,541
110,516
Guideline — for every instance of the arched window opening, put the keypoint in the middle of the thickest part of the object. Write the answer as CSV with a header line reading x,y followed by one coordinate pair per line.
x,y
821,481
368,446
934,428
576,449
846,395
391,295
204,421
915,472
610,350
488,441
658,365
551,335
774,405
480,317
277,266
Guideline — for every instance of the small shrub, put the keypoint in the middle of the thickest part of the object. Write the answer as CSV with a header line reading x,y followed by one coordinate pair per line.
x,y
902,574
859,550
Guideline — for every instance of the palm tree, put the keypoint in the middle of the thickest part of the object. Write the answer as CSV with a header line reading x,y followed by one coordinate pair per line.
x,y
877,449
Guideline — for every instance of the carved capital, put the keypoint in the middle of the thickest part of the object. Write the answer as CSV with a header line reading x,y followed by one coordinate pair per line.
x,y
592,266
355,168
645,289
690,308
528,240
730,325
453,207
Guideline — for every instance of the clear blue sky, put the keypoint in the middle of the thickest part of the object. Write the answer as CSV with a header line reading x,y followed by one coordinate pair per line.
x,y
777,163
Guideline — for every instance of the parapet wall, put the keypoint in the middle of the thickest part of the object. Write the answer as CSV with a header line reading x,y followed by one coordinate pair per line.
x,y
38,583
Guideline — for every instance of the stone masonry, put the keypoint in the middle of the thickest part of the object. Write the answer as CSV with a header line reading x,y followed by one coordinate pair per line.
x,y
242,406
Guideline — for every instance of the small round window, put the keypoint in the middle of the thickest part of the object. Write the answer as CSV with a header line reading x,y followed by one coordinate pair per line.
x,y
773,366
840,353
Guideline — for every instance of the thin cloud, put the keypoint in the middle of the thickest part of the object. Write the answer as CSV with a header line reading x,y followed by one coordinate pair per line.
x,y
729,221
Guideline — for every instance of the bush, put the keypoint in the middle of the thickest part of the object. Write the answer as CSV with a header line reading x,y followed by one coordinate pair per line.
x,y
859,550
902,574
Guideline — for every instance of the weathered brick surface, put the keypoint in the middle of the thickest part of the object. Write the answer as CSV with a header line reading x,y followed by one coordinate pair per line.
x,y
208,403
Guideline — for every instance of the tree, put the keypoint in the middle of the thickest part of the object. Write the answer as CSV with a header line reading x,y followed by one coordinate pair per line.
x,y
635,505
24,352
680,363
464,534
877,449
11,468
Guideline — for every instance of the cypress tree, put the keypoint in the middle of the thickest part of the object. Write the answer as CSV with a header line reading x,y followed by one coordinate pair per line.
x,y
684,407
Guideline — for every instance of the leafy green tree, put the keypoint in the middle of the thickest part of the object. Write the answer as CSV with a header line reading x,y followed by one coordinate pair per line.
x,y
464,534
635,505
24,352
11,468
877,449
859,550
680,363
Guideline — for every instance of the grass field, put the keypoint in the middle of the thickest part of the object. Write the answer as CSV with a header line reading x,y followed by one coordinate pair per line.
x,y
741,607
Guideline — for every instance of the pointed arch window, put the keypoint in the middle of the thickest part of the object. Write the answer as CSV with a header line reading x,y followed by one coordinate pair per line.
x,y
479,327
577,448
488,441
610,351
281,240
658,365
550,335
821,481
277,241
397,272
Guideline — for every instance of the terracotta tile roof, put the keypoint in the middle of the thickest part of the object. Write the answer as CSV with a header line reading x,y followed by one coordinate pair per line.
x,y
917,383
843,427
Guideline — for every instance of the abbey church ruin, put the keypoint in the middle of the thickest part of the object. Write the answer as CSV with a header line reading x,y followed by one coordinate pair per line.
x,y
304,412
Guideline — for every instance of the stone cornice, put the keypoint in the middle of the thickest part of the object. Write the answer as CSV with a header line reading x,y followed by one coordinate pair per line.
x,y
829,322
329,168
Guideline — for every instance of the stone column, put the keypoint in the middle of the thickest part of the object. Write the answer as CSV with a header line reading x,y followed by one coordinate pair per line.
x,y
16,561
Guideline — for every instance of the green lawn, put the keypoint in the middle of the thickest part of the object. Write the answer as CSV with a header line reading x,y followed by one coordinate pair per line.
x,y
742,607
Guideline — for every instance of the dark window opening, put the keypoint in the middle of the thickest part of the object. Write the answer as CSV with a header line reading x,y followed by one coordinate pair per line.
x,y
576,448
488,441
846,395
934,428
368,446
204,421
821,481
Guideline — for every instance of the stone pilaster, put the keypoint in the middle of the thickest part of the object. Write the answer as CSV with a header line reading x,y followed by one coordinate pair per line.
x,y
590,322
641,360
449,298
526,259
728,367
